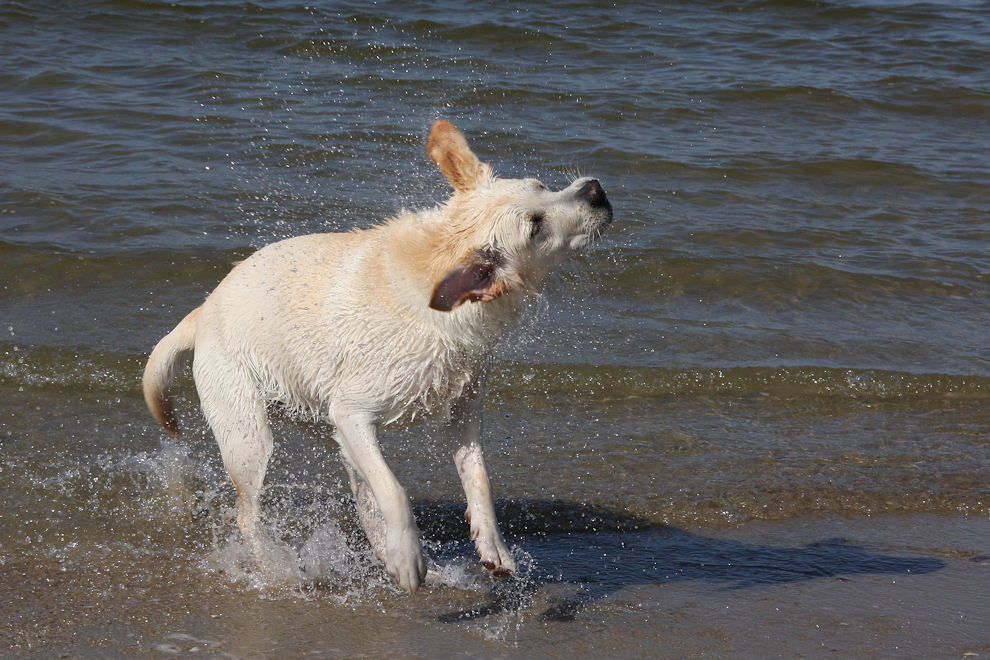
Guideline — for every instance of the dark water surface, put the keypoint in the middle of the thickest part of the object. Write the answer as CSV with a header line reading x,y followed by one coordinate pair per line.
x,y
784,333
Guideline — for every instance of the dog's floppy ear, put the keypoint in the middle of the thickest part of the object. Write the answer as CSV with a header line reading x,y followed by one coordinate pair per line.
x,y
477,277
448,149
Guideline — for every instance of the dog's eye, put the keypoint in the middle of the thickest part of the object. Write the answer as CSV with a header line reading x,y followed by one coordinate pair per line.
x,y
535,221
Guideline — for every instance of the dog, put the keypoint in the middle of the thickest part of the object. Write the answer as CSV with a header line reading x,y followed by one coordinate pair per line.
x,y
379,326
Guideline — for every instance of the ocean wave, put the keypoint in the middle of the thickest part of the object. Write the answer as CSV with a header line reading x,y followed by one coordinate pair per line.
x,y
546,384
603,384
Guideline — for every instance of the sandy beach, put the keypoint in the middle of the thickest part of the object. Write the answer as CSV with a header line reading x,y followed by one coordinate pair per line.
x,y
906,587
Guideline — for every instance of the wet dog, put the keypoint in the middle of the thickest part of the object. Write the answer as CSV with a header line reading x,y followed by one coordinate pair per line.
x,y
374,327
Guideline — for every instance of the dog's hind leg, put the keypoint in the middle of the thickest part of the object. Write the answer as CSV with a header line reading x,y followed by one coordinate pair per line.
x,y
465,435
235,411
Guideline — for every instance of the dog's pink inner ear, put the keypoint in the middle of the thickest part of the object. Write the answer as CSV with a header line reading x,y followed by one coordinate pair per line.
x,y
450,151
475,279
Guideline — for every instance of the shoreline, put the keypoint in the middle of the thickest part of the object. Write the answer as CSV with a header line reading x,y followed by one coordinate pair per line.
x,y
910,586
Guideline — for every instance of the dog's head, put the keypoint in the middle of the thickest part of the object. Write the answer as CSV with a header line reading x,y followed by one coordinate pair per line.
x,y
505,234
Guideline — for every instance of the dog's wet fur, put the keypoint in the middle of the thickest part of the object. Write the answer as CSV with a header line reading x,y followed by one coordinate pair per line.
x,y
378,326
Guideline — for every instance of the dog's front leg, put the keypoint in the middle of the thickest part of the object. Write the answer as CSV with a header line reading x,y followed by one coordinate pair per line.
x,y
465,433
403,550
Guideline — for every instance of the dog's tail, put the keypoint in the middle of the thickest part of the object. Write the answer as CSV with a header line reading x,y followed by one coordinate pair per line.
x,y
162,367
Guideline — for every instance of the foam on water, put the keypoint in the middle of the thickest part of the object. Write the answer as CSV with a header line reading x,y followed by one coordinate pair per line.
x,y
313,544
341,566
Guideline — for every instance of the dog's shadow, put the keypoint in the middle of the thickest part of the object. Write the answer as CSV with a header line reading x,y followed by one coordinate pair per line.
x,y
604,551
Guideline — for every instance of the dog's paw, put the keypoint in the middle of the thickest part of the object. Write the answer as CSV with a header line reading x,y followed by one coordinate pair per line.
x,y
404,559
494,555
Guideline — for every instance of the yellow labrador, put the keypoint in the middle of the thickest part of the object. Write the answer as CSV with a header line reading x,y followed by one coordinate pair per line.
x,y
379,326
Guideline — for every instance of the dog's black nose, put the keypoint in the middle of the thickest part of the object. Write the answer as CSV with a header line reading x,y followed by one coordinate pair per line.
x,y
595,194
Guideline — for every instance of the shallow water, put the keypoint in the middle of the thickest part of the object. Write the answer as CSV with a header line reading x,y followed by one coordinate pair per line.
x,y
784,331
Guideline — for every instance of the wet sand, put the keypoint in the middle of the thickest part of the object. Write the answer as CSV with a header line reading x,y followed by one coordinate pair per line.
x,y
910,587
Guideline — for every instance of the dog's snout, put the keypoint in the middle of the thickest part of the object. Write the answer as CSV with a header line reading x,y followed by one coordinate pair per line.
x,y
595,194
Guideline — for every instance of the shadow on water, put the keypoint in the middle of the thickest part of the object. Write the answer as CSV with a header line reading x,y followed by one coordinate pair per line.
x,y
604,551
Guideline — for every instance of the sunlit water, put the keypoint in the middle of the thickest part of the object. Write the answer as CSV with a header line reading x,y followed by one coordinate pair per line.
x,y
751,421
